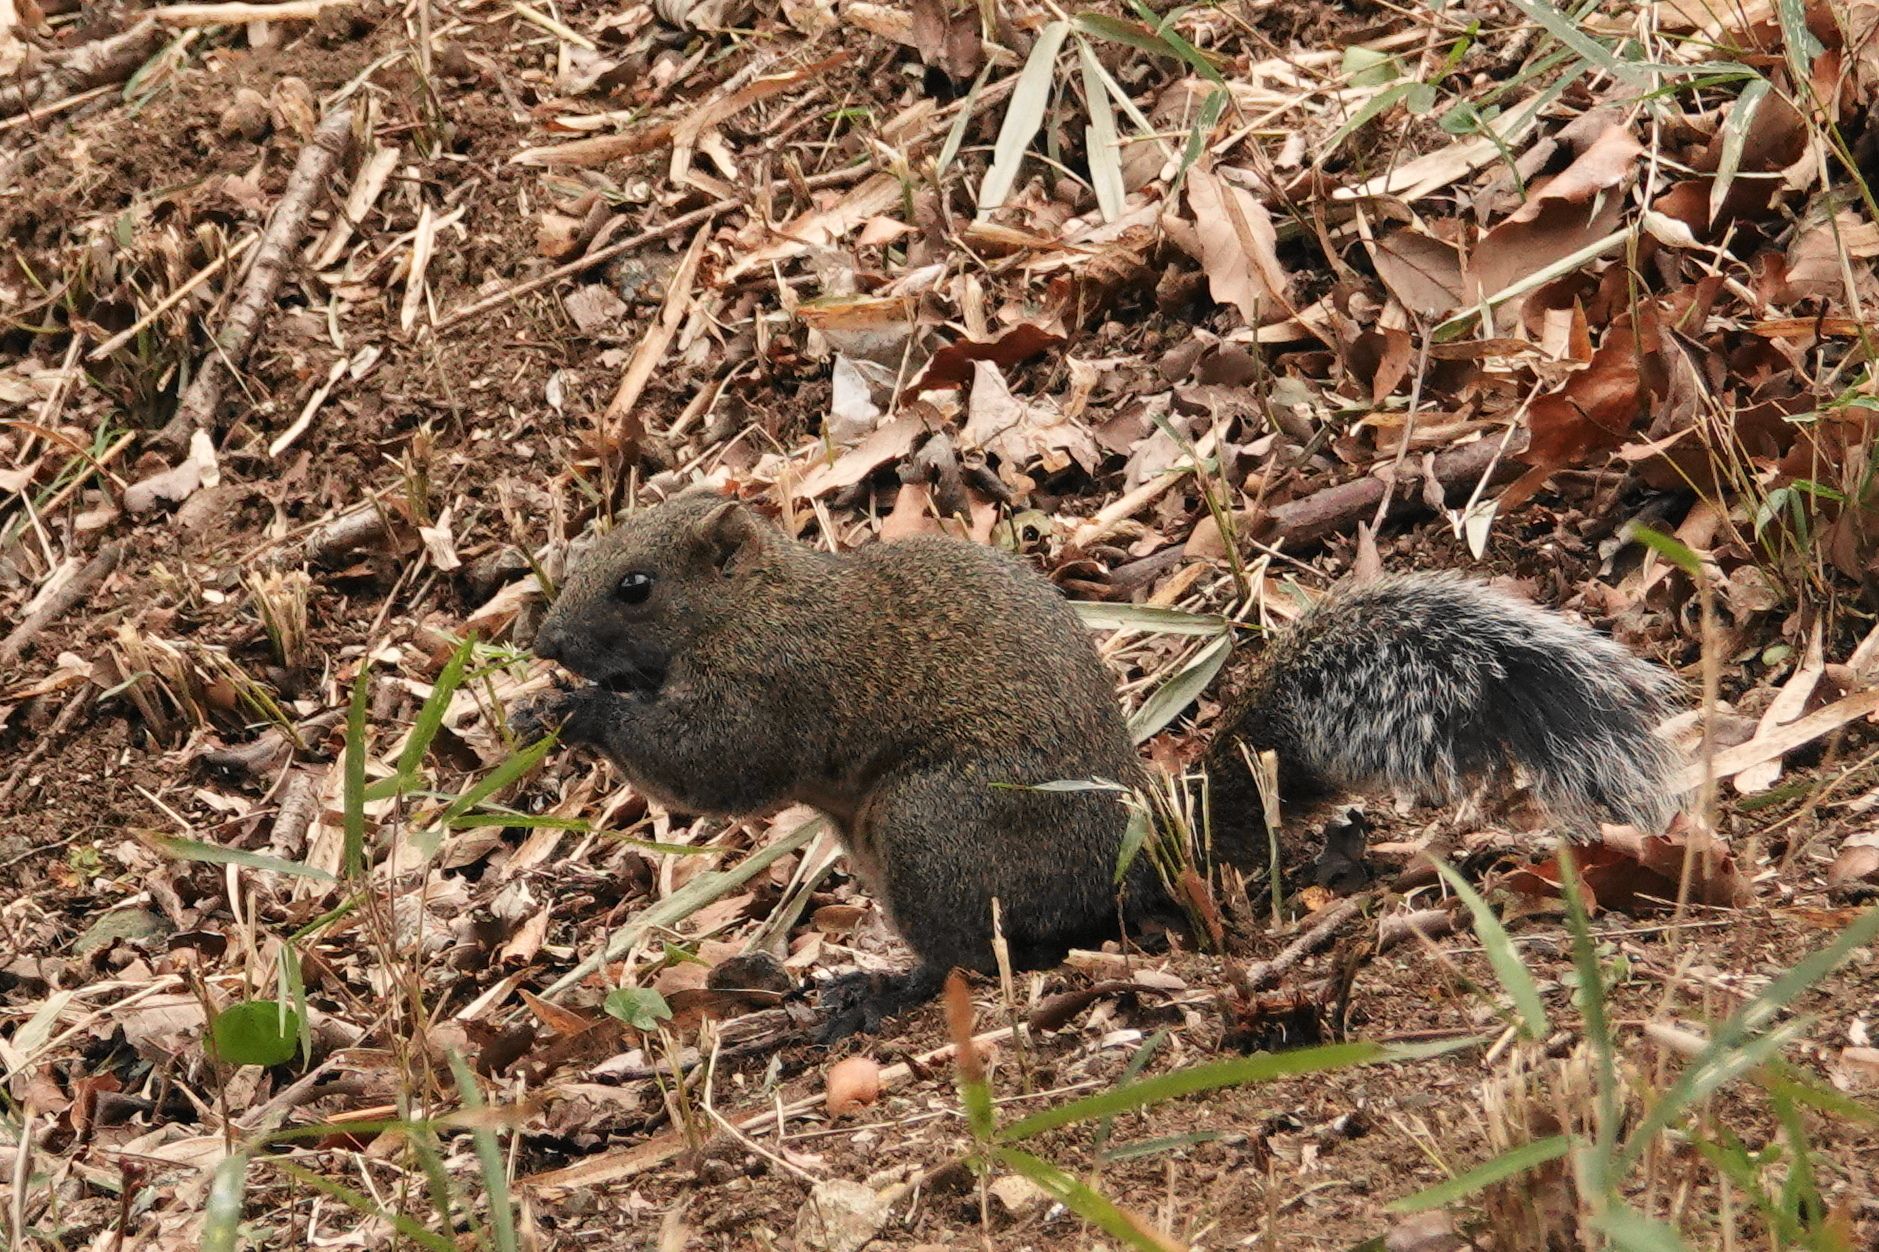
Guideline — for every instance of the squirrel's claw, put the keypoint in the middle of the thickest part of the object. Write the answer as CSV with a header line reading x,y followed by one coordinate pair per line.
x,y
541,713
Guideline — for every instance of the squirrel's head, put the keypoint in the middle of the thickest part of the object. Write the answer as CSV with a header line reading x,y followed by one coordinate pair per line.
x,y
651,587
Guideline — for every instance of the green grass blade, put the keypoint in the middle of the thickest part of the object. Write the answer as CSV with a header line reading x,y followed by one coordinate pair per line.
x,y
427,839
1130,1072
1196,60
1567,32
1116,30
1781,1079
1735,132
354,859
1509,1164
694,895
1598,1032
1798,45
215,854
1501,954
1242,1071
1380,103
957,134
1091,1205
489,1157
358,1201
430,717
1630,1231
1733,1035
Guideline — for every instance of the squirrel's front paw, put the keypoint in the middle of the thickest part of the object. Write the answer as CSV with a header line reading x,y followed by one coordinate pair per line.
x,y
541,714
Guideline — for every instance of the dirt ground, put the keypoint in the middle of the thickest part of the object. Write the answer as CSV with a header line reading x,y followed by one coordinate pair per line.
x,y
472,416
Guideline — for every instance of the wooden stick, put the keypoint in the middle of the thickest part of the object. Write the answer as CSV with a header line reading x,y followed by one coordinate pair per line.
x,y
1313,518
236,14
76,588
94,65
272,261
1259,977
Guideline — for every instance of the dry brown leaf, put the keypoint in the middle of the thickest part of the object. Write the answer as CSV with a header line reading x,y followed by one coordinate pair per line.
x,y
1424,273
1854,873
890,442
1020,433
1238,248
1638,874
820,227
952,366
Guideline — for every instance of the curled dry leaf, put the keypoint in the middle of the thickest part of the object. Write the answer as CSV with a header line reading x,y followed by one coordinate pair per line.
x,y
1638,874
951,367
1854,874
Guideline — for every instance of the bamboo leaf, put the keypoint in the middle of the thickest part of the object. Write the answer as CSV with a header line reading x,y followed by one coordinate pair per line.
x,y
1105,155
1179,691
430,717
1023,116
215,854
1149,619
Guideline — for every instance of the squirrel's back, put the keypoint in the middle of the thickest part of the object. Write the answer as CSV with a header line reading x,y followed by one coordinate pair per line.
x,y
1422,681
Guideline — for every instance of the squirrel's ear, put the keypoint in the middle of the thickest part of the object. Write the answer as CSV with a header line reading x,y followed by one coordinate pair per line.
x,y
725,532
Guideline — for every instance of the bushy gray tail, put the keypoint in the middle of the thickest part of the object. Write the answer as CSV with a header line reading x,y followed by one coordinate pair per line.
x,y
1425,681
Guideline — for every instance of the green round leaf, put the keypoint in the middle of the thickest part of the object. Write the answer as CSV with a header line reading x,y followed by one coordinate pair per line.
x,y
642,1008
257,1032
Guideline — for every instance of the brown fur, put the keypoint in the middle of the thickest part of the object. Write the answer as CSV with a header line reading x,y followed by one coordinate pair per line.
x,y
893,688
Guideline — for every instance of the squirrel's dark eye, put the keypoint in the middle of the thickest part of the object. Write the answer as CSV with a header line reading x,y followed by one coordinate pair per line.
x,y
634,588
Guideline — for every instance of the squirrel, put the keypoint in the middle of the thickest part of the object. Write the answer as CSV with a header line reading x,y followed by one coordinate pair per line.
x,y
919,691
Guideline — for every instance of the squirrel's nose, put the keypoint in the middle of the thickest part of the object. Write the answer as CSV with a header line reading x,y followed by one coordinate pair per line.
x,y
547,644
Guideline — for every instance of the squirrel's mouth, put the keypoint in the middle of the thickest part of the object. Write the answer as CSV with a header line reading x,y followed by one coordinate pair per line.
x,y
628,682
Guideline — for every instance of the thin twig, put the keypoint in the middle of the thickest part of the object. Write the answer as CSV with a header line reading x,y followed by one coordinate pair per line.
x,y
44,744
1266,973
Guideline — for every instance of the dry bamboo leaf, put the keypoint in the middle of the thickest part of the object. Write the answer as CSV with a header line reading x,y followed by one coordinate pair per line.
x,y
821,227
1023,116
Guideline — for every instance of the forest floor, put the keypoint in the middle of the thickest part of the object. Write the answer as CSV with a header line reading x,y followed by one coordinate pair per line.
x,y
329,324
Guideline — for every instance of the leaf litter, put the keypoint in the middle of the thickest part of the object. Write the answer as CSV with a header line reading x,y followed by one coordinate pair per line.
x,y
1104,285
